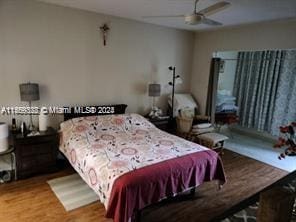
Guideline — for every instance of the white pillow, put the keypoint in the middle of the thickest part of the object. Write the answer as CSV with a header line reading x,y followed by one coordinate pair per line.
x,y
202,126
181,102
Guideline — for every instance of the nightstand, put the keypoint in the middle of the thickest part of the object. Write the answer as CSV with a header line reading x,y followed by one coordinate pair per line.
x,y
163,124
35,154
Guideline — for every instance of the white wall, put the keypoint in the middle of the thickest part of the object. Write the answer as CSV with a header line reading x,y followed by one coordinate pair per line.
x,y
271,35
61,49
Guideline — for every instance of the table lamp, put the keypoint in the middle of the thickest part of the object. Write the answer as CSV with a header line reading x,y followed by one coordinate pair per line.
x,y
154,91
29,92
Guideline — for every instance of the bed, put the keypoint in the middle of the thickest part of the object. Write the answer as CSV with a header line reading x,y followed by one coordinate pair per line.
x,y
131,164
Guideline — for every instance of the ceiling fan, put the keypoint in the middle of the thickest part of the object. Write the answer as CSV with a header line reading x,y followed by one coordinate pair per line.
x,y
199,17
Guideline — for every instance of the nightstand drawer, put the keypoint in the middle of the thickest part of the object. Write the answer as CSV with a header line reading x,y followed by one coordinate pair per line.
x,y
33,149
163,124
45,159
27,164
47,148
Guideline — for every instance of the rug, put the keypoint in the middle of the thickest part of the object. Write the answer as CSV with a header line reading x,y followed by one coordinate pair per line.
x,y
72,191
249,214
246,215
260,150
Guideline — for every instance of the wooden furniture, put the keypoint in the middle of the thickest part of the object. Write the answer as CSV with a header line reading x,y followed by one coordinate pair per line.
x,y
162,124
276,205
35,154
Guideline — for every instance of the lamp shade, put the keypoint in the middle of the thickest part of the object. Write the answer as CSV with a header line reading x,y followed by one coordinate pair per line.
x,y
154,90
29,92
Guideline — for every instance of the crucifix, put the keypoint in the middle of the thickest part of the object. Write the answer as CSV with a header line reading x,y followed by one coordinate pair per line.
x,y
104,29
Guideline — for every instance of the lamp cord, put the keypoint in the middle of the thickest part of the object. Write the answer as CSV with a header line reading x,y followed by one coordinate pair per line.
x,y
31,118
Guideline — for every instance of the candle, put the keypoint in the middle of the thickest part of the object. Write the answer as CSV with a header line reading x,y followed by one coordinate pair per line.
x,y
3,137
43,120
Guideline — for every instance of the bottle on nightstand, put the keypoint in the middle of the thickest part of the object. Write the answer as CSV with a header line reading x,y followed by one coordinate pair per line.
x,y
13,125
23,128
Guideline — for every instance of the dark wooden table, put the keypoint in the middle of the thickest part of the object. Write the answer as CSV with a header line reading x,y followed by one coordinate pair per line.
x,y
35,154
168,125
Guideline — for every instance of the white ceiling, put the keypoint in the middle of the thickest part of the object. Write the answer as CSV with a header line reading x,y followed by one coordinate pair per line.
x,y
240,12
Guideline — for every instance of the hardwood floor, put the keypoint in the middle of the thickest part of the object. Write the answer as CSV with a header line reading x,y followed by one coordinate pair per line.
x,y
32,199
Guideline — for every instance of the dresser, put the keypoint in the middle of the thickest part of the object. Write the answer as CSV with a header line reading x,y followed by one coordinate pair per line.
x,y
35,154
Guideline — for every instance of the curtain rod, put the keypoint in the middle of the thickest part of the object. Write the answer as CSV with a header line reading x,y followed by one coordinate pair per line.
x,y
251,60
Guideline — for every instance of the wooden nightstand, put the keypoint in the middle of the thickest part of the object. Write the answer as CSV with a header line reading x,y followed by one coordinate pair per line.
x,y
36,154
163,124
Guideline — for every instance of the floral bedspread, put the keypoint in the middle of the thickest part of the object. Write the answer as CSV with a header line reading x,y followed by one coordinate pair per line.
x,y
102,148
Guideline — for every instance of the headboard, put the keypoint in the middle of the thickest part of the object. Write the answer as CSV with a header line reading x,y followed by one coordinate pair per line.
x,y
80,111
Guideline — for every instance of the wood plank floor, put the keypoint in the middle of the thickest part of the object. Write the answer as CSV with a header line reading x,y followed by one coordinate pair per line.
x,y
32,199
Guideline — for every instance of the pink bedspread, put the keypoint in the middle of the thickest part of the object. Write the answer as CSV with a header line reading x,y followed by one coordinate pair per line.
x,y
125,157
142,187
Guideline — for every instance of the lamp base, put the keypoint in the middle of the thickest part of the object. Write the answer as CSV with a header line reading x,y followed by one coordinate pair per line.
x,y
155,112
32,128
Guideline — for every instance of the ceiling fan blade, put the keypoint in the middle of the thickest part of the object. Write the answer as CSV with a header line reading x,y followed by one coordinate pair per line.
x,y
164,16
210,22
214,8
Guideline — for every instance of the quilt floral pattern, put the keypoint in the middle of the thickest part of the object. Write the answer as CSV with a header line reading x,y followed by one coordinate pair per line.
x,y
102,148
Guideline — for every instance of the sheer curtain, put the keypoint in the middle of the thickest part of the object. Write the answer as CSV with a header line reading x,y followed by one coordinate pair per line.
x,y
263,83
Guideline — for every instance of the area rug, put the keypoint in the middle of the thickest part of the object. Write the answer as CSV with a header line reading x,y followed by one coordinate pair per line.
x,y
260,150
246,215
72,191
249,214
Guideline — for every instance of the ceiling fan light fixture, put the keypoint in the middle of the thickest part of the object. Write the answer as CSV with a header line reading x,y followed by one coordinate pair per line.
x,y
199,17
193,19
